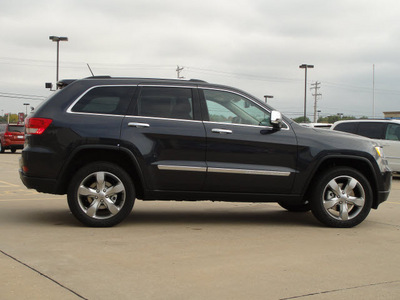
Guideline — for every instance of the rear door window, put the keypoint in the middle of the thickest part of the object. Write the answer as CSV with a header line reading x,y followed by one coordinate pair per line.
x,y
373,130
165,102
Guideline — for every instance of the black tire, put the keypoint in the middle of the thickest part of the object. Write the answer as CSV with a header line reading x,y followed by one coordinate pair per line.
x,y
101,194
13,150
304,207
342,198
1,148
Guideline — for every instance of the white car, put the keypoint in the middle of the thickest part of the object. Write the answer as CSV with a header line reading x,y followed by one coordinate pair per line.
x,y
384,132
316,125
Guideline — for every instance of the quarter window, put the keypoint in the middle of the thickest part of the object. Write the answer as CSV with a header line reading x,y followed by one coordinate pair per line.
x,y
105,100
373,130
164,102
347,127
231,108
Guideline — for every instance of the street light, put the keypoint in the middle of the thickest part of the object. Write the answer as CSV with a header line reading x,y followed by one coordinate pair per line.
x,y
58,39
305,67
266,97
26,108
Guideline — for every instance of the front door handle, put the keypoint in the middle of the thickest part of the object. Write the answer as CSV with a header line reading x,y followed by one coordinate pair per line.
x,y
138,125
221,131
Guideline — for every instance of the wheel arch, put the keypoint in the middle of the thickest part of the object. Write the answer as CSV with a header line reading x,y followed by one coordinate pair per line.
x,y
360,164
89,154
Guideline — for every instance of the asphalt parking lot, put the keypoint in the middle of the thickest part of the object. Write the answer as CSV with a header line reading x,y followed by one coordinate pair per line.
x,y
184,250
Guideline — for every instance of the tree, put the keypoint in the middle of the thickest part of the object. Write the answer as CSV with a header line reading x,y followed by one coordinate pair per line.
x,y
332,119
301,120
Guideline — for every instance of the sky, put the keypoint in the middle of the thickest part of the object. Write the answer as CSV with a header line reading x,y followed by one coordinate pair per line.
x,y
253,45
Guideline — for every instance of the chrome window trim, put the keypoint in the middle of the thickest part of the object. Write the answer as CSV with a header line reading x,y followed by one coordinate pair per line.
x,y
246,97
223,170
160,118
69,109
244,125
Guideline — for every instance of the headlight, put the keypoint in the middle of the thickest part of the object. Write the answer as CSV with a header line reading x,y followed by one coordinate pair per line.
x,y
379,151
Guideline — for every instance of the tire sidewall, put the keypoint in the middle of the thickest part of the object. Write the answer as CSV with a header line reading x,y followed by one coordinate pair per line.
x,y
73,201
320,212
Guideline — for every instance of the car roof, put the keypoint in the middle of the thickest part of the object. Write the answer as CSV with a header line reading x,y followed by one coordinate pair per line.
x,y
367,120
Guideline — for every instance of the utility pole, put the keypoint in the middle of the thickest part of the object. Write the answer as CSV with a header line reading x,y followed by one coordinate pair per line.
x,y
178,72
315,87
305,67
373,91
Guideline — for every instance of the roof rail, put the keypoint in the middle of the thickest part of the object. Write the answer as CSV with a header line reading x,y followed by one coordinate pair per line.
x,y
197,80
63,83
98,77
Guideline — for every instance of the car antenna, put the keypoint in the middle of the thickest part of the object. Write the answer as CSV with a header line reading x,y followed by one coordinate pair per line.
x,y
90,70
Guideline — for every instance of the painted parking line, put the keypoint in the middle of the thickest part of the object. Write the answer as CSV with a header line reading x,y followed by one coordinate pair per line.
x,y
7,184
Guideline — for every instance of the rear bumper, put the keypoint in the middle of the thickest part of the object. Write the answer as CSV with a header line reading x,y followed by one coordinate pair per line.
x,y
13,144
43,185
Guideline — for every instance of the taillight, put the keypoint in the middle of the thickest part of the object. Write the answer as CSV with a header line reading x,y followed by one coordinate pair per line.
x,y
37,125
7,135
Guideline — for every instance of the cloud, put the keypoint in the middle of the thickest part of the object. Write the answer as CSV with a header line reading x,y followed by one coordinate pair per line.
x,y
255,45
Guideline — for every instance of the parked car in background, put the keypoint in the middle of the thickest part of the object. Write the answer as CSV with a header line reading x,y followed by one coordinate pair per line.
x,y
12,137
384,132
106,141
317,125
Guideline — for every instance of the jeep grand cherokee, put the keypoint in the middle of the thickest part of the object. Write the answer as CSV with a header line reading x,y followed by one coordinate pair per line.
x,y
107,141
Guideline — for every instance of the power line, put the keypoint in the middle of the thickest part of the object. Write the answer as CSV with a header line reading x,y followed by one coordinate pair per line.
x,y
22,96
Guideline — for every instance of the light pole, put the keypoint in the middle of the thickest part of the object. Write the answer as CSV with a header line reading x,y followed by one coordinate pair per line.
x,y
266,97
26,109
305,67
58,39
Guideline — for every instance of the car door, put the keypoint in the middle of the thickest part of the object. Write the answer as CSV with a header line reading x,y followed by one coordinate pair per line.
x,y
391,146
244,152
167,137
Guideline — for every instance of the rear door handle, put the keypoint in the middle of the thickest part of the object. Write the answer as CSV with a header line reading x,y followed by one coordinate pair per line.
x,y
221,131
138,125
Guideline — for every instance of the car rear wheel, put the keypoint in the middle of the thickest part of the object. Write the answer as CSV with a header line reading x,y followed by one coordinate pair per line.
x,y
342,198
101,194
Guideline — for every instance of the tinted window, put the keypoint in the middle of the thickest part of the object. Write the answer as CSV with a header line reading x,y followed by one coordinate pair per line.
x,y
373,130
164,102
14,128
105,100
393,132
231,108
347,127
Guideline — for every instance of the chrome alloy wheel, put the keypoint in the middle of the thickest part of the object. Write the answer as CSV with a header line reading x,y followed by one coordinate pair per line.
x,y
101,195
343,198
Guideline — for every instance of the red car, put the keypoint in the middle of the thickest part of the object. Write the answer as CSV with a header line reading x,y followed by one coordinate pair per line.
x,y
12,136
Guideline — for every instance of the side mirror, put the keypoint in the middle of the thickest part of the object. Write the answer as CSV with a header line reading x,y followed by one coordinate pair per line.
x,y
276,119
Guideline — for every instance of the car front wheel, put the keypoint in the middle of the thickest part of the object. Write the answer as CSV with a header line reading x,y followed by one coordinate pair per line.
x,y
101,194
342,198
